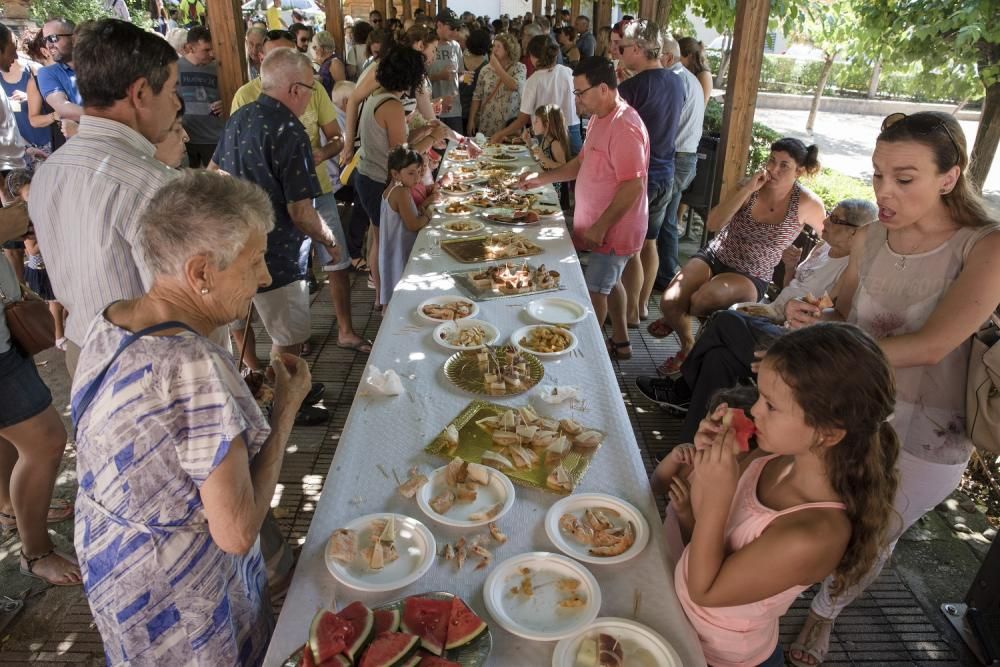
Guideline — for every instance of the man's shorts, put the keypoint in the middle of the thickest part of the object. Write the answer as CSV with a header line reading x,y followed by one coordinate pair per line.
x,y
603,272
326,207
285,313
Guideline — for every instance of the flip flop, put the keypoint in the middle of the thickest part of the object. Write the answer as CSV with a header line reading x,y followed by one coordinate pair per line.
x,y
659,328
28,568
359,265
358,346
60,509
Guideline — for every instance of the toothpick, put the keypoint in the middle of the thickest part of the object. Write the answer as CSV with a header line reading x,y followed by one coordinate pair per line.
x,y
382,470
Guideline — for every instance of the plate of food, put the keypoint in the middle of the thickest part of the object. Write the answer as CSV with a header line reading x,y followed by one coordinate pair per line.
x,y
447,308
380,552
458,189
465,334
597,528
501,371
544,340
510,216
546,210
455,208
533,450
500,280
542,596
615,641
463,226
467,177
503,156
466,495
557,310
436,623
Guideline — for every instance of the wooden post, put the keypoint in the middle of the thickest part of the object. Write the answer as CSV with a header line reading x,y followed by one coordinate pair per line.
x,y
602,15
536,7
225,21
441,6
574,11
335,24
741,90
407,9
647,9
662,14
380,5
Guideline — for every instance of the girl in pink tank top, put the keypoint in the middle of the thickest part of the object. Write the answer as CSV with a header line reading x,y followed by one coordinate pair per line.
x,y
814,500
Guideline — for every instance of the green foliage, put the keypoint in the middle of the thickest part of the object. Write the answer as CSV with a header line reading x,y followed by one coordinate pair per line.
x,y
628,6
77,11
760,140
833,187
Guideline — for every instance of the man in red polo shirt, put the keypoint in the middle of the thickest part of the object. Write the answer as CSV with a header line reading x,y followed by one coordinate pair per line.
x,y
611,209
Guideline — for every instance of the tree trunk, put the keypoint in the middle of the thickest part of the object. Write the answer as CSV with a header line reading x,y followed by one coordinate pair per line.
x,y
727,52
987,137
823,76
663,13
873,82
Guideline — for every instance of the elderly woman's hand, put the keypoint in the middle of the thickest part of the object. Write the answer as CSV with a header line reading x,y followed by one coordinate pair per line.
x,y
292,381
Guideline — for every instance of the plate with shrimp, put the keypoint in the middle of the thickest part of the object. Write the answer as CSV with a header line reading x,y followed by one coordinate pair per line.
x,y
597,528
542,596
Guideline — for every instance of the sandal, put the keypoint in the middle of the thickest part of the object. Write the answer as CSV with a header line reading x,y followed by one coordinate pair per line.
x,y
28,568
359,265
672,366
659,328
60,509
813,641
362,346
617,350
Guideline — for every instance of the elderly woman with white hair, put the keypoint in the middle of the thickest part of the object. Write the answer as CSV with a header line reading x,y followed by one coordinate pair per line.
x,y
324,54
176,462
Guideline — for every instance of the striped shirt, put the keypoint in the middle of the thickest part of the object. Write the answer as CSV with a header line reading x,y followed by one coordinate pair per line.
x,y
161,591
85,203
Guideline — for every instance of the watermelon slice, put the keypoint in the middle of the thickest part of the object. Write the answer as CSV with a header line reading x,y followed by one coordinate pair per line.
x,y
327,637
428,619
386,620
390,649
463,624
307,657
434,661
361,622
743,427
412,661
339,660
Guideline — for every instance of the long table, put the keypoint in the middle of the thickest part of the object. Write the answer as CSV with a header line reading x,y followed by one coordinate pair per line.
x,y
392,432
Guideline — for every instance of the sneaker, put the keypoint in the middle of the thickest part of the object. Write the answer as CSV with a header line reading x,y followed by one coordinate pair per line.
x,y
309,415
315,394
664,392
61,343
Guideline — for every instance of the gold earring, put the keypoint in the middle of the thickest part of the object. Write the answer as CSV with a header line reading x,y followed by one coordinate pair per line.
x,y
204,290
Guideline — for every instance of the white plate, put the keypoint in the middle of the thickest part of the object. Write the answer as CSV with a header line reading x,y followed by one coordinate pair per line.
x,y
498,490
557,310
515,340
539,617
442,210
477,227
641,646
505,212
416,547
444,299
576,504
445,328
473,188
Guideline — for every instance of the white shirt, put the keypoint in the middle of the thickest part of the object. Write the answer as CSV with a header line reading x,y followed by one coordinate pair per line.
x,y
692,119
817,274
11,143
550,86
85,202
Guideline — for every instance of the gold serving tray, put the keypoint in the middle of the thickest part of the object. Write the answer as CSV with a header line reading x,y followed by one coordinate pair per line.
x,y
474,440
477,293
462,369
473,249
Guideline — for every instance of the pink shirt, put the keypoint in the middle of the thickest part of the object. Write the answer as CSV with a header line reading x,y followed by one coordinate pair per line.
x,y
744,635
616,150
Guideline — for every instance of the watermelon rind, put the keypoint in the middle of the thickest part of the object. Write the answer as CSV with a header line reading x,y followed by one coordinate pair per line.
x,y
324,651
412,661
434,661
307,657
428,619
386,620
395,648
362,620
463,624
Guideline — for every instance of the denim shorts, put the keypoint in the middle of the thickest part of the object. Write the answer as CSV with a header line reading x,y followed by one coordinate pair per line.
x,y
603,272
659,199
718,266
326,207
23,395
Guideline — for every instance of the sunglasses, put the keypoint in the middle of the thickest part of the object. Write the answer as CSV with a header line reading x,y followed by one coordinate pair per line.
x,y
52,39
274,35
844,222
921,125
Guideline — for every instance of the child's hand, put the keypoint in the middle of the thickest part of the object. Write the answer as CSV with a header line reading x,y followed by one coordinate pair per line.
x,y
683,454
671,466
717,472
680,499
710,428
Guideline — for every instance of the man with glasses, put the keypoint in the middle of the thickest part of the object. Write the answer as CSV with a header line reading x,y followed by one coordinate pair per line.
x,y
724,352
611,209
254,44
303,35
199,88
375,18
657,94
57,82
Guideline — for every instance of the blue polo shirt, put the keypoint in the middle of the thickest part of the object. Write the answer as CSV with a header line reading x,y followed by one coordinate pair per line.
x,y
59,78
264,143
658,95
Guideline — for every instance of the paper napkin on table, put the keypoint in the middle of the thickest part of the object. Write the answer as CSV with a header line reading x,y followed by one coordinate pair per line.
x,y
381,383
558,393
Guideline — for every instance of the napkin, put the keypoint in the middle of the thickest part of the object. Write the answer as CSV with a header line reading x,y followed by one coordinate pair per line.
x,y
558,393
381,383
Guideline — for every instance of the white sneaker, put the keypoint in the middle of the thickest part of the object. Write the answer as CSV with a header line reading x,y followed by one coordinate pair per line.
x,y
61,343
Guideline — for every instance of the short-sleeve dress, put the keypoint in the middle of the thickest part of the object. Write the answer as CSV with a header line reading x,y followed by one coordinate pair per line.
x,y
161,591
497,109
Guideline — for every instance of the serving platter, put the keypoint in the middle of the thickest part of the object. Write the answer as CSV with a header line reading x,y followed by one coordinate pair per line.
x,y
464,371
478,249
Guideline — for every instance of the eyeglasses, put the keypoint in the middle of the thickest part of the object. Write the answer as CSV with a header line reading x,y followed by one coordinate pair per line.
x,y
921,124
275,35
52,39
839,221
310,86
622,46
578,93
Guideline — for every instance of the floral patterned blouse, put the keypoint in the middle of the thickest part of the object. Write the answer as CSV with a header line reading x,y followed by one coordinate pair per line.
x,y
502,106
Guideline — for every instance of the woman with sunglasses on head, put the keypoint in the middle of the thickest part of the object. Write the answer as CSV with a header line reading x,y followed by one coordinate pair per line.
x,y
921,281
755,222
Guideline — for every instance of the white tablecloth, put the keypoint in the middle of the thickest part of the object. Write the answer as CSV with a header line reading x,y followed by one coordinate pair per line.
x,y
393,431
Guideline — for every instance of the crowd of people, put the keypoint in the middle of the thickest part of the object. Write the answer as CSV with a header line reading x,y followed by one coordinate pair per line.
x,y
168,222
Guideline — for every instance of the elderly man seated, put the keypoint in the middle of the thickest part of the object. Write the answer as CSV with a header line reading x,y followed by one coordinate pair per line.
x,y
177,464
724,351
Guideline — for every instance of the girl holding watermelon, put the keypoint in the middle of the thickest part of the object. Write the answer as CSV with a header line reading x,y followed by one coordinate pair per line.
x,y
814,500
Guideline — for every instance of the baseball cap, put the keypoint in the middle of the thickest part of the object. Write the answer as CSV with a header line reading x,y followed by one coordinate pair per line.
x,y
449,18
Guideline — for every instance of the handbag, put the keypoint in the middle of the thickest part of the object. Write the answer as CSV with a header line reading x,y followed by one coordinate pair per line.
x,y
30,323
982,392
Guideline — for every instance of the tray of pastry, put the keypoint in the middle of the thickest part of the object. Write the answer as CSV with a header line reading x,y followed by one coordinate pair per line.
x,y
489,247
